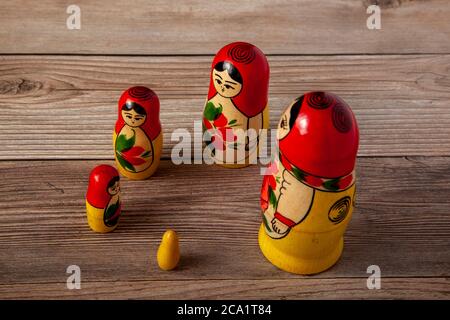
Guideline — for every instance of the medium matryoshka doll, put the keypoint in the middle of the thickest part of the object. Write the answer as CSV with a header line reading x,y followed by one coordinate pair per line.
x,y
138,136
308,194
103,199
237,99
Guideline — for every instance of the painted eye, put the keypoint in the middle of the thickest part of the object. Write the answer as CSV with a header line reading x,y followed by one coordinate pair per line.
x,y
129,117
218,81
228,86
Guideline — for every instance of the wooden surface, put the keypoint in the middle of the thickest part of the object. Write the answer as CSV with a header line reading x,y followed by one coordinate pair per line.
x,y
201,26
401,102
58,95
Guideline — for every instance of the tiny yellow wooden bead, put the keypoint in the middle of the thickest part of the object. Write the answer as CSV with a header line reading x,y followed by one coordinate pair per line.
x,y
169,251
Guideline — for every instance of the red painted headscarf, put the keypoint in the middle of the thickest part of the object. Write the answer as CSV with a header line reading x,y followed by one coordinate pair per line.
x,y
254,69
150,102
97,192
323,138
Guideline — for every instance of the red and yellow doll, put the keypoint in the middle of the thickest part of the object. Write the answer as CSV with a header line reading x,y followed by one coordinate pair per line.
x,y
138,136
237,99
308,194
103,204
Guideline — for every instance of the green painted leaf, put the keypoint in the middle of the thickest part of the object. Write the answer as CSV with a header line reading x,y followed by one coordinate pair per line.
x,y
146,154
124,163
122,143
232,122
272,198
109,212
266,223
219,111
211,112
331,184
299,174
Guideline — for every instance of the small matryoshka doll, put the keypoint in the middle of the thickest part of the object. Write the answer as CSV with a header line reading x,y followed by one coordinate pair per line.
x,y
237,99
308,194
138,136
103,199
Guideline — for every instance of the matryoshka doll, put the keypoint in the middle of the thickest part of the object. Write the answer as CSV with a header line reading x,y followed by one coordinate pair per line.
x,y
103,199
237,99
308,194
138,136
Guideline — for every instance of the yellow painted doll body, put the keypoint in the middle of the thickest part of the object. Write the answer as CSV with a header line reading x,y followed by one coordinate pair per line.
x,y
168,254
307,196
103,203
137,137
315,242
95,219
147,169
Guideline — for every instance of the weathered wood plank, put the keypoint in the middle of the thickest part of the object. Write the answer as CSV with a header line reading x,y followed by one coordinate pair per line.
x,y
306,288
202,27
65,107
402,223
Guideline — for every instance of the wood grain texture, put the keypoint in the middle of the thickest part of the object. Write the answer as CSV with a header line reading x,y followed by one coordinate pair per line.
x,y
64,107
401,223
202,27
58,95
306,288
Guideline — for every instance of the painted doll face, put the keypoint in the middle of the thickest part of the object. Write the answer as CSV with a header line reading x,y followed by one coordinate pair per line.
x,y
288,119
283,126
132,118
225,85
114,189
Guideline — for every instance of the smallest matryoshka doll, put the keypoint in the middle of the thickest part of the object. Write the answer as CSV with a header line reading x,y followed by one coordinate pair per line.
x,y
103,198
138,136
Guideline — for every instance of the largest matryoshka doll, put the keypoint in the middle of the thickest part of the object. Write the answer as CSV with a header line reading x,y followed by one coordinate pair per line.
x,y
137,136
308,196
237,99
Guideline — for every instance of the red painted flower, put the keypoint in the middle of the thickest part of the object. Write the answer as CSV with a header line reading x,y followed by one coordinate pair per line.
x,y
134,155
222,134
221,121
207,124
268,181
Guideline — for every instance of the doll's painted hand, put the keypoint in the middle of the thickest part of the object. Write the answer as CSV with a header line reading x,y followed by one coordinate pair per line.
x,y
279,227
